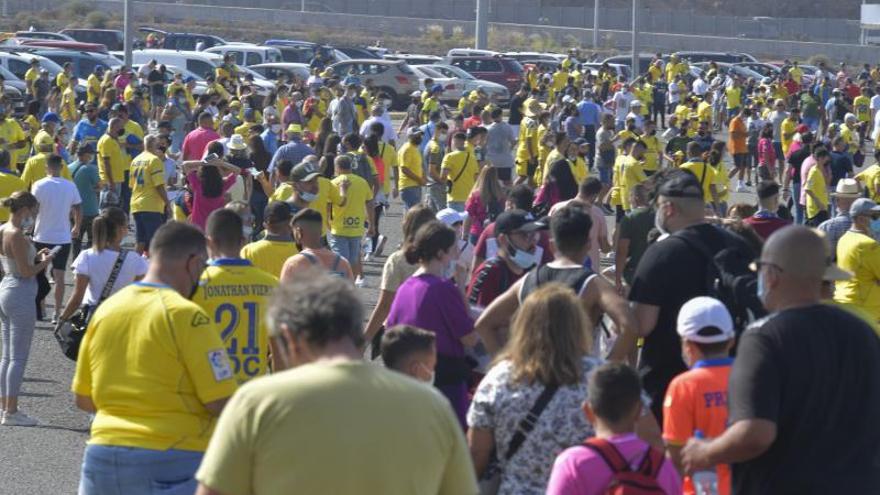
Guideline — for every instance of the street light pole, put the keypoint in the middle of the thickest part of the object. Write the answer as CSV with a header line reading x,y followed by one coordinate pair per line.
x,y
126,31
595,24
635,39
302,6
482,25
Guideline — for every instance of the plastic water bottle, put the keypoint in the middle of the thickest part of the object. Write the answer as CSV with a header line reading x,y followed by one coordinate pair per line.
x,y
705,482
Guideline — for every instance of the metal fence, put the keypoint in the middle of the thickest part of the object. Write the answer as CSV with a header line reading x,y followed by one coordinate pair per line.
x,y
532,12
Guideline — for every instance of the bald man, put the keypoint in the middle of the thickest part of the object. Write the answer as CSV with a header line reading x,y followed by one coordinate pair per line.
x,y
803,402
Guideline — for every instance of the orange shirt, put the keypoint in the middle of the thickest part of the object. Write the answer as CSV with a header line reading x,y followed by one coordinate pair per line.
x,y
697,400
738,134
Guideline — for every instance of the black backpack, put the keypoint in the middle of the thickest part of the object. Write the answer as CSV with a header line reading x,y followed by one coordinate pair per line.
x,y
728,276
360,165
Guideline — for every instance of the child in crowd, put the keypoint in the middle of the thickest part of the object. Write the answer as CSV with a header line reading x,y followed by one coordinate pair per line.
x,y
411,351
696,400
616,454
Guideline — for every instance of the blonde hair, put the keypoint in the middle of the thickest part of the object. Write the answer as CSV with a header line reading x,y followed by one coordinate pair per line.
x,y
488,186
549,338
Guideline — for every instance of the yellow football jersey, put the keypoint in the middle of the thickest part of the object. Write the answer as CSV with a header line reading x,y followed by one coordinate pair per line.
x,y
235,294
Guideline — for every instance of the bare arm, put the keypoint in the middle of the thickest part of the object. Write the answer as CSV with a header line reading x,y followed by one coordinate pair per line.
x,y
600,294
496,318
77,219
742,441
481,442
25,265
620,258
646,317
85,403
380,312
75,301
204,490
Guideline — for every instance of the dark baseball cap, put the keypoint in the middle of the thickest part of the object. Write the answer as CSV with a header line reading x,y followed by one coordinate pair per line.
x,y
516,220
767,189
682,185
277,212
304,172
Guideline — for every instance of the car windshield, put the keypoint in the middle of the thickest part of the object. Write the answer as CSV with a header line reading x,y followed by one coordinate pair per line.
x,y
453,71
9,76
248,70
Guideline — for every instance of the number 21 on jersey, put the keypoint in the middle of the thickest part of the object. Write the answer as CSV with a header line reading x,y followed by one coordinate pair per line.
x,y
241,338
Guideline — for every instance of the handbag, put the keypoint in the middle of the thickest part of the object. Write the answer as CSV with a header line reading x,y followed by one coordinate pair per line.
x,y
490,481
70,332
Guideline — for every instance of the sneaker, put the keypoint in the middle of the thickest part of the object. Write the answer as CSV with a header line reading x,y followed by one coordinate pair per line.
x,y
18,418
741,188
54,319
380,244
360,282
368,257
748,183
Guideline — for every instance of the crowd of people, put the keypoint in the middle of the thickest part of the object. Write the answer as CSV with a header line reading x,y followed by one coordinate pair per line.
x,y
578,303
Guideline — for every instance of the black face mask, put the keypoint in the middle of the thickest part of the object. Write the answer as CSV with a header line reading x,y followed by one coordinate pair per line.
x,y
120,133
417,141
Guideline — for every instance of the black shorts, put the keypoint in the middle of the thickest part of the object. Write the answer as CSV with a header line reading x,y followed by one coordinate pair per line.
x,y
146,223
741,160
59,262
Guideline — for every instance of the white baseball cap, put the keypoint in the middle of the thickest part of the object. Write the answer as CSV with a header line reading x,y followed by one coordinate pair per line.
x,y
702,312
451,217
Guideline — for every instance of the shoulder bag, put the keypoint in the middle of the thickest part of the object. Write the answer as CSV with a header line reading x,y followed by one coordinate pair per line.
x,y
70,332
491,479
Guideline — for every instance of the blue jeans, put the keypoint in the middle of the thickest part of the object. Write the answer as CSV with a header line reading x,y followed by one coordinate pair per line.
x,y
798,208
112,470
347,247
125,193
411,196
456,205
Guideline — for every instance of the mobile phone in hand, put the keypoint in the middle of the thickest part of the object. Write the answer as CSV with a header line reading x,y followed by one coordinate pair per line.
x,y
211,156
55,250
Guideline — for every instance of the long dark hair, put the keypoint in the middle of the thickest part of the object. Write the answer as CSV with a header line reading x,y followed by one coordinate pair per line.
x,y
258,153
430,239
212,182
371,145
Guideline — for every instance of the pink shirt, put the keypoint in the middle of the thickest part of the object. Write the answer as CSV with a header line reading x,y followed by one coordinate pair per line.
x,y
202,205
580,471
196,141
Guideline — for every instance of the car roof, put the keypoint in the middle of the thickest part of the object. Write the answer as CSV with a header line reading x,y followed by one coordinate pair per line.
x,y
67,30
381,61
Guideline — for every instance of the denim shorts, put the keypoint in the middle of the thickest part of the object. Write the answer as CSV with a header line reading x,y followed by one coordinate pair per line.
x,y
114,470
146,223
411,196
347,247
777,146
605,175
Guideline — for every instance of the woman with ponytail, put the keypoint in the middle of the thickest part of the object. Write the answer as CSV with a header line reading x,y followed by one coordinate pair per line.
x,y
18,290
93,266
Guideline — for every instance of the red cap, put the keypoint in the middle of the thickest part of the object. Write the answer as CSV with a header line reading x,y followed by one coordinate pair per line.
x,y
801,129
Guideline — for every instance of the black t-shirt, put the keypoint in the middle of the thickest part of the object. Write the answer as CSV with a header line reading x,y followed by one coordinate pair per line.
x,y
635,227
516,115
671,273
796,160
156,81
841,165
815,372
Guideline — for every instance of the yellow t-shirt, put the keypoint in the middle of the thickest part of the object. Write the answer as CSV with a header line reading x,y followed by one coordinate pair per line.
x,y
314,122
850,136
796,73
132,128
633,174
463,170
9,183
348,220
579,169
862,108
859,254
110,156
721,182
616,179
870,179
734,97
35,169
528,135
704,112
705,174
652,153
12,133
149,361
93,89
147,173
236,294
816,184
430,105
304,407
409,158
62,80
788,126
30,76
389,157
269,255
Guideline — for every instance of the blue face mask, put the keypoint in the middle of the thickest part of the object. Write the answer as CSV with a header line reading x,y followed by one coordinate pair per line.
x,y
308,197
522,259
762,289
875,227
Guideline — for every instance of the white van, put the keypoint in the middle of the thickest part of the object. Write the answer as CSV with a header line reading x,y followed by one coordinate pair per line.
x,y
200,63
470,52
247,54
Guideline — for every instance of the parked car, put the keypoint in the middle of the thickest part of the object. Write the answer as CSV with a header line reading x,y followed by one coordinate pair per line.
x,y
524,57
16,98
394,77
25,43
84,63
620,69
357,52
452,87
726,57
43,35
495,91
470,52
644,61
18,64
413,58
247,54
302,52
502,70
543,65
184,41
766,70
281,70
111,38
200,63
739,70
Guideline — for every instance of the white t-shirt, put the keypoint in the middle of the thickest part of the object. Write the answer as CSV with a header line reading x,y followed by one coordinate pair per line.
x,y
56,196
699,87
875,102
97,266
621,104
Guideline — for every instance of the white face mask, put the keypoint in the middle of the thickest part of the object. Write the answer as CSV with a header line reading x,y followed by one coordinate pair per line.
x,y
248,231
387,103
276,128
449,271
28,223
